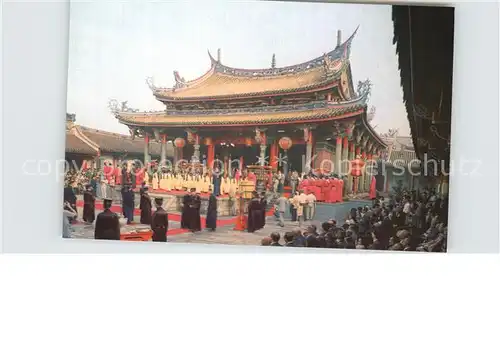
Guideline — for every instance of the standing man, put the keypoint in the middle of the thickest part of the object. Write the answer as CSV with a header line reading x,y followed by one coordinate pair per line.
x,y
186,209
281,204
194,218
145,206
263,204
254,216
128,204
88,205
302,204
107,225
159,222
294,181
311,206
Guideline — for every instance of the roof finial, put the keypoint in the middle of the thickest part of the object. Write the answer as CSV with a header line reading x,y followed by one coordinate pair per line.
x,y
218,55
273,61
339,37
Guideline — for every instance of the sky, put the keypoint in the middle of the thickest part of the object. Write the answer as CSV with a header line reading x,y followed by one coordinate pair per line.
x,y
115,45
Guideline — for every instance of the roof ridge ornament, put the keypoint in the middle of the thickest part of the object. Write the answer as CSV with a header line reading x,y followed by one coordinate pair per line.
x,y
150,83
180,82
364,89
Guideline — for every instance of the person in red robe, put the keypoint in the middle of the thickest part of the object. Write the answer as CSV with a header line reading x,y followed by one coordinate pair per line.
x,y
373,190
340,192
325,189
336,197
251,176
319,189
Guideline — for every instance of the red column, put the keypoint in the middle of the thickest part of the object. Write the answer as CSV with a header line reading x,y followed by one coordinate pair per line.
x,y
273,156
241,164
210,155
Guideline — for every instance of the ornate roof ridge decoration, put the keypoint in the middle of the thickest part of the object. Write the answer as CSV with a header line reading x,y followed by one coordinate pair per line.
x,y
341,52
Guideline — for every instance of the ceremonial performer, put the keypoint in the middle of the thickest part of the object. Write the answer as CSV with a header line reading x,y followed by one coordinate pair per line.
x,y
145,206
254,213
159,222
89,205
107,225
211,220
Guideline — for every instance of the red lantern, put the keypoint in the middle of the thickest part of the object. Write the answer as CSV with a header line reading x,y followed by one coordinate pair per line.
x,y
356,167
285,143
179,143
208,141
248,141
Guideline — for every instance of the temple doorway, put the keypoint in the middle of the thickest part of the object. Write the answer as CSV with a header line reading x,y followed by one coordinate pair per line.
x,y
296,158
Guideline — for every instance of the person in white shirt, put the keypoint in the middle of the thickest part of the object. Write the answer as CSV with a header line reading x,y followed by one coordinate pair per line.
x,y
302,204
310,207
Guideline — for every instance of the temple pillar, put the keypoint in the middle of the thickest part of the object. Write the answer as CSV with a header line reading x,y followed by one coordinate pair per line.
x,y
368,171
344,160
362,177
163,152
309,150
338,156
349,176
262,157
210,155
146,149
273,156
196,153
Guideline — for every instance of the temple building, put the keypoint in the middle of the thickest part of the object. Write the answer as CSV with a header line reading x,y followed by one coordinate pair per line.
x,y
303,117
95,147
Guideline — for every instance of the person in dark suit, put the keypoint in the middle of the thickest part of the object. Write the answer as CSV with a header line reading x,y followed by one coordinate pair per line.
x,y
194,212
263,204
128,204
107,225
145,206
211,221
89,205
159,222
289,239
186,209
254,213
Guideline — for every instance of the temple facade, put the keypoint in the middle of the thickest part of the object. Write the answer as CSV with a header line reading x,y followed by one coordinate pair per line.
x,y
306,117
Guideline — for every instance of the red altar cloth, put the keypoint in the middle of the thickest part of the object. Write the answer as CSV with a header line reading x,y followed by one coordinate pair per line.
x,y
325,190
318,189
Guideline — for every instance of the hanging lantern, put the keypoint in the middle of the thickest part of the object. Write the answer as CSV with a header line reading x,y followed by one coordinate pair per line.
x,y
179,143
248,141
285,143
356,167
208,141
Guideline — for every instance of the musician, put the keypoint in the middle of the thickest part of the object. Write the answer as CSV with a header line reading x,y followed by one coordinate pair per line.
x,y
107,225
159,222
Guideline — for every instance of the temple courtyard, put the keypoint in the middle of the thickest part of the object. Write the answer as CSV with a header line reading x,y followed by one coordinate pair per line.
x,y
225,233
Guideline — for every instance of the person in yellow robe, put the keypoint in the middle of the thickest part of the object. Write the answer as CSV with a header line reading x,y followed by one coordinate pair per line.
x,y
205,187
163,181
198,183
233,187
146,177
225,186
168,181
177,182
155,181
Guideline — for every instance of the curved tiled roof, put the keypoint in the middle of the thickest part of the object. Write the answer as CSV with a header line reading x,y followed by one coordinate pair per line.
x,y
330,112
118,143
226,82
77,146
